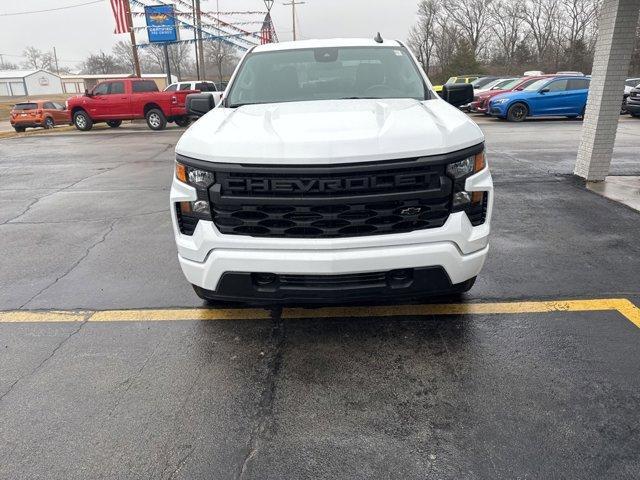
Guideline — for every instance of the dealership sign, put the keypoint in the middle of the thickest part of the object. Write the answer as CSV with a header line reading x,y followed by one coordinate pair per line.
x,y
161,23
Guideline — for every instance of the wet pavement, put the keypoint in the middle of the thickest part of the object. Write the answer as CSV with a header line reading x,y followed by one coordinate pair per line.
x,y
408,394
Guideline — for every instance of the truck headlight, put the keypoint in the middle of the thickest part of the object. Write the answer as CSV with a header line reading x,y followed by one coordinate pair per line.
x,y
466,167
469,202
190,212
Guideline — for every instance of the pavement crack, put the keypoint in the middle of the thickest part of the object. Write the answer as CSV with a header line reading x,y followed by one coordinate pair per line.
x,y
263,418
67,187
182,462
73,266
129,381
47,358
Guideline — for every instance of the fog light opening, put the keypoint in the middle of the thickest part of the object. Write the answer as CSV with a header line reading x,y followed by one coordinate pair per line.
x,y
264,279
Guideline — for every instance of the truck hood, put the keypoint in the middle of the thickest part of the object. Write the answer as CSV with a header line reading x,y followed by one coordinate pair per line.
x,y
328,132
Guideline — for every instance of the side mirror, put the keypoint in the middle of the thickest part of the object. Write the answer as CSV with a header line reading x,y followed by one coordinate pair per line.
x,y
544,90
87,93
457,94
199,104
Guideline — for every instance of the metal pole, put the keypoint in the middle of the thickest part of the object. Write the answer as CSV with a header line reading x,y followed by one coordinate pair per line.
x,y
195,39
134,47
167,63
200,49
55,57
293,16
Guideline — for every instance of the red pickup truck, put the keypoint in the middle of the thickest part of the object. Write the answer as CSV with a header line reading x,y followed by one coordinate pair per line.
x,y
113,101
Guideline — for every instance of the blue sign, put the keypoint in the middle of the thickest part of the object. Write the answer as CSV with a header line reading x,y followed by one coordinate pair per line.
x,y
161,23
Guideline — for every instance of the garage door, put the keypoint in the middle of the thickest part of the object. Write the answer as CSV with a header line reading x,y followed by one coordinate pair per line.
x,y
17,88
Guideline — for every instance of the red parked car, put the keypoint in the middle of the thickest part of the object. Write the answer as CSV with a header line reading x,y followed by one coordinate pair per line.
x,y
128,99
480,102
38,113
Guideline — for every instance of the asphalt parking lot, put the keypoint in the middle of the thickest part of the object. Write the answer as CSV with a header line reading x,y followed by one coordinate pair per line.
x,y
111,368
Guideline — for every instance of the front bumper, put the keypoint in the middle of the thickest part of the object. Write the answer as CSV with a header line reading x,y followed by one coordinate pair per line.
x,y
632,107
457,247
498,110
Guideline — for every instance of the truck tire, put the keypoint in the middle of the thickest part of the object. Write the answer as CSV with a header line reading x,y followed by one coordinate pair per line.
x,y
517,112
19,129
48,123
82,121
182,121
156,119
114,123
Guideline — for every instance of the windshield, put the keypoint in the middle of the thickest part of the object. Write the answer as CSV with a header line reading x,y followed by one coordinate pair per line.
x,y
508,84
482,81
25,106
326,74
537,85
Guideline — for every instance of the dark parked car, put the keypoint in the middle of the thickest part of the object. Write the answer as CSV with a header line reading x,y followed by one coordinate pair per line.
x,y
632,104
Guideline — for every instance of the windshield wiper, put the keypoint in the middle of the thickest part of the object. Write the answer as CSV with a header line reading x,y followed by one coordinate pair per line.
x,y
360,98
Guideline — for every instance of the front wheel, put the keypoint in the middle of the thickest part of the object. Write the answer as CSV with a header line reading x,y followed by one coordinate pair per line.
x,y
114,123
82,121
19,129
48,123
517,112
182,121
156,119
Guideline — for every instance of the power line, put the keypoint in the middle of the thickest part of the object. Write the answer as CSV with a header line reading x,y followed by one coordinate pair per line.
x,y
50,9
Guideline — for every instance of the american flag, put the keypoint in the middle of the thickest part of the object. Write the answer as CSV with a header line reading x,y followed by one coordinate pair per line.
x,y
120,8
266,33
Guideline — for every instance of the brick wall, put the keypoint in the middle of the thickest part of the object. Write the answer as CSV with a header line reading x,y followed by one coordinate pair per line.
x,y
616,35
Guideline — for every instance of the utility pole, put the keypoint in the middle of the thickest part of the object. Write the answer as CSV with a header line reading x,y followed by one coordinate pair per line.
x,y
167,64
293,4
200,49
55,58
195,39
134,47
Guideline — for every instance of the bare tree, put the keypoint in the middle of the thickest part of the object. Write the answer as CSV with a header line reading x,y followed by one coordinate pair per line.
x,y
180,59
123,51
423,36
37,59
539,16
507,29
222,56
472,17
4,65
102,63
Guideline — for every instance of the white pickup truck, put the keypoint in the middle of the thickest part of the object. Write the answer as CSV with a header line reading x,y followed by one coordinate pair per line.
x,y
331,171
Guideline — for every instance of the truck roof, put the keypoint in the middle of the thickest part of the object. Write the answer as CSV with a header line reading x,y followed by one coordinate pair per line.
x,y
325,43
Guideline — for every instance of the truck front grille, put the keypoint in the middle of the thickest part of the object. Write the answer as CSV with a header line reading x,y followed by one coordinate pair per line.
x,y
331,221
331,201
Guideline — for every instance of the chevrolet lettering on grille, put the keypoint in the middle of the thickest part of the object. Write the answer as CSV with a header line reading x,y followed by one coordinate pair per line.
x,y
322,185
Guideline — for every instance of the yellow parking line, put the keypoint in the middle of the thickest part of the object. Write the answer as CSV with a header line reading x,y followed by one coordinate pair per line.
x,y
26,316
179,314
621,305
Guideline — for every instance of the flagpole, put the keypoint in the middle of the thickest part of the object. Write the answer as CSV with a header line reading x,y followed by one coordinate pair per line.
x,y
134,47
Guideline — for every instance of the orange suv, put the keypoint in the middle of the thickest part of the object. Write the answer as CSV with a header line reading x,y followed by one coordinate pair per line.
x,y
38,113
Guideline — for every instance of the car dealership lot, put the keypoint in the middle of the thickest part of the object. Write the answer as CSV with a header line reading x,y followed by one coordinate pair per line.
x,y
530,391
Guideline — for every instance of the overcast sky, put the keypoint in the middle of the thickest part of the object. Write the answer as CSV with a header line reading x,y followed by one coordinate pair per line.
x,y
76,32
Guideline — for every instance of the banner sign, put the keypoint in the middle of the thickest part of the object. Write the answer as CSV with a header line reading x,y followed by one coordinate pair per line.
x,y
161,23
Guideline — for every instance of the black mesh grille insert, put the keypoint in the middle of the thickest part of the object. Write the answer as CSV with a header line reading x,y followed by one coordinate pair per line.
x,y
331,201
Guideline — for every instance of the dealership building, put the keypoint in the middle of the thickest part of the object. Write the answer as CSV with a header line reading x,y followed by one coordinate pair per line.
x,y
20,83
33,83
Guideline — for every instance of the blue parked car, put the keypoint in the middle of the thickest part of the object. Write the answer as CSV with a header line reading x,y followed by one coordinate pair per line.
x,y
558,96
